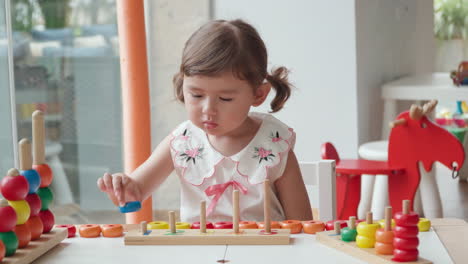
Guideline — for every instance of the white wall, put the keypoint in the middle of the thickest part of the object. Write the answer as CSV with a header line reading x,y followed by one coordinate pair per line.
x,y
316,40
393,38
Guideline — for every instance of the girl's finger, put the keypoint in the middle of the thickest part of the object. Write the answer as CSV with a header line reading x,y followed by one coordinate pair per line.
x,y
101,186
108,182
117,183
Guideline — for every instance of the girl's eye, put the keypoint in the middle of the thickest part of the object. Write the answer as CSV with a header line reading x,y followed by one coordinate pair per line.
x,y
225,99
196,96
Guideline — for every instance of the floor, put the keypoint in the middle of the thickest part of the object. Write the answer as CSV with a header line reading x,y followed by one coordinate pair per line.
x,y
454,196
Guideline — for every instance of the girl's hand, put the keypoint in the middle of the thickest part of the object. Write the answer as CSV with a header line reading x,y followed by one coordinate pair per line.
x,y
120,188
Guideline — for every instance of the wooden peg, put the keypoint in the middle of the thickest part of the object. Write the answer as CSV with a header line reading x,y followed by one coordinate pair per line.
x,y
38,132
266,206
398,122
406,207
388,218
337,227
369,219
203,217
143,227
172,224
235,212
352,222
25,158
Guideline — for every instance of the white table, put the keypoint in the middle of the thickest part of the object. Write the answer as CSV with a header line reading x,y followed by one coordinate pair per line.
x,y
303,249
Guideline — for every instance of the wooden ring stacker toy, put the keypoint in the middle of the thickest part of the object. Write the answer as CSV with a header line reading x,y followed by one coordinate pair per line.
x,y
248,225
90,230
330,225
182,225
223,225
130,207
112,230
384,236
158,225
294,225
424,224
196,225
313,226
71,229
273,224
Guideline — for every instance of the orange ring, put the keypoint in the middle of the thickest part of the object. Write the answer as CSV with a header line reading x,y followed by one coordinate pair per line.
x,y
248,225
112,230
90,231
273,224
294,225
312,227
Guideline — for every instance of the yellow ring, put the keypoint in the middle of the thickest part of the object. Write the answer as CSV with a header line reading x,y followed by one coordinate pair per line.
x,y
182,225
382,223
158,225
424,225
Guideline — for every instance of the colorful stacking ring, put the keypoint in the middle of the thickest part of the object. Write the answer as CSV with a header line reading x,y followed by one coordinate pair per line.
x,y
312,227
196,225
382,223
90,231
294,225
71,229
223,225
273,224
112,230
158,225
182,225
247,225
424,224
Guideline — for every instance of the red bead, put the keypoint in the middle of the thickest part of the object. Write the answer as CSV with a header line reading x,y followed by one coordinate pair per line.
x,y
406,243
14,188
410,219
23,234
34,203
71,229
330,225
406,231
48,220
8,216
46,174
35,226
405,255
223,225
196,225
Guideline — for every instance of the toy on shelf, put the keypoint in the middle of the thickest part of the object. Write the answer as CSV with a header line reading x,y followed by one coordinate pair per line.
x,y
460,76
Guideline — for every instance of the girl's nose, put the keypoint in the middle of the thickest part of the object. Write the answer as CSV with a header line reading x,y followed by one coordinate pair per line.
x,y
209,107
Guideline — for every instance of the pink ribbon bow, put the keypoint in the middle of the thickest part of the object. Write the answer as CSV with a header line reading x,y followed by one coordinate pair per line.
x,y
218,189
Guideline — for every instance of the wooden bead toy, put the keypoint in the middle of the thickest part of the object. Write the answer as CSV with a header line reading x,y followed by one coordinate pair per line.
x,y
424,225
48,220
14,187
23,234
130,207
405,239
8,216
35,226
202,224
22,210
196,225
112,230
349,233
172,225
330,225
34,202
384,236
11,242
248,225
90,231
182,225
2,250
70,228
273,224
366,232
46,196
39,164
294,225
313,226
223,225
33,178
158,225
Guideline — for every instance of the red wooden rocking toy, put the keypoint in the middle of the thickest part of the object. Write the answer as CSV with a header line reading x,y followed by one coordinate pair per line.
x,y
413,139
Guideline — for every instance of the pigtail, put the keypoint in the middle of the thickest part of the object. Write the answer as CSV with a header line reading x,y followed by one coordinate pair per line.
x,y
279,80
178,81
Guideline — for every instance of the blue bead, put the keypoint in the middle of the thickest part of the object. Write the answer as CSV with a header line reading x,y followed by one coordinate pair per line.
x,y
130,207
33,179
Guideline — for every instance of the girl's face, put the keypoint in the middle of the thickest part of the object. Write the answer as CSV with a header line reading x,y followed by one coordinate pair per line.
x,y
219,104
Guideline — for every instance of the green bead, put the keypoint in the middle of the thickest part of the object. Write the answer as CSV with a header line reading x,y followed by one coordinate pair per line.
x,y
10,240
348,235
46,196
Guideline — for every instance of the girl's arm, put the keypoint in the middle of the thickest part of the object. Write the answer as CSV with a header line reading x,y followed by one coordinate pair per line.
x,y
143,181
292,192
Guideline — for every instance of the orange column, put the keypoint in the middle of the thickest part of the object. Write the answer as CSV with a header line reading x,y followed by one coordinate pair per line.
x,y
135,94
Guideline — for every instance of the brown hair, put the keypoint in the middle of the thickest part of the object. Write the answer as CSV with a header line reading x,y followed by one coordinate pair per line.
x,y
220,46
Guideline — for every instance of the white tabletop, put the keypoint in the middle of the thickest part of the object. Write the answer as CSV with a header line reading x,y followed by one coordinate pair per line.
x,y
424,87
303,249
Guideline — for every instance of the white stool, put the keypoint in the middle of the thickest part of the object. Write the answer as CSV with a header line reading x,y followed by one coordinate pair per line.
x,y
374,191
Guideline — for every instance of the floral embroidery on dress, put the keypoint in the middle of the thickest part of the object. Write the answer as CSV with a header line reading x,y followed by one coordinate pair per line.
x,y
263,154
192,154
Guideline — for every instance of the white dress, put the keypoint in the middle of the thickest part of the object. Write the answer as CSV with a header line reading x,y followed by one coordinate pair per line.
x,y
205,174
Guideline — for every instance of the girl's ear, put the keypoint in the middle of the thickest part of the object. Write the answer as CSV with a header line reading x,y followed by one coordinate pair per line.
x,y
261,93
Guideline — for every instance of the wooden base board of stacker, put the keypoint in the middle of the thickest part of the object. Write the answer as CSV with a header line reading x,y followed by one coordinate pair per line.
x,y
37,247
367,254
211,237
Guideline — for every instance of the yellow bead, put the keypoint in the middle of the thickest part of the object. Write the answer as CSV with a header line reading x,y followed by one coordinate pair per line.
x,y
182,225
382,223
158,225
22,210
424,225
365,242
365,229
